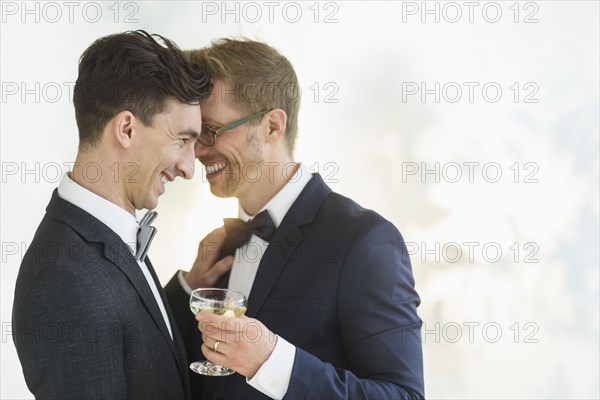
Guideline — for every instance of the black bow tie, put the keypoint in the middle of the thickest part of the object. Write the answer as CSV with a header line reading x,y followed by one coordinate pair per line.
x,y
239,232
145,235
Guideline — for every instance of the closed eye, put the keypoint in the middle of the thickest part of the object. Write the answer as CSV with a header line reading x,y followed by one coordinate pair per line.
x,y
185,140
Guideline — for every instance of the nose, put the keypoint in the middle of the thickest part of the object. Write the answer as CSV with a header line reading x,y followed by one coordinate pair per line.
x,y
186,164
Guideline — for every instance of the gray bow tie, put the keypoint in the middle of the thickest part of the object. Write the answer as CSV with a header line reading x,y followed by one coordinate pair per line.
x,y
145,235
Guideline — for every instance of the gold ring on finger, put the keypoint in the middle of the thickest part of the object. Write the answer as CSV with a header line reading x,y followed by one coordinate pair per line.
x,y
216,346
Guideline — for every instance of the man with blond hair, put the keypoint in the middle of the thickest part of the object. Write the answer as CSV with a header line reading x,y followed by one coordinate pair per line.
x,y
331,299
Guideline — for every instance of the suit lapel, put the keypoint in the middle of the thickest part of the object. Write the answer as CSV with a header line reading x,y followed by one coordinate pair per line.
x,y
285,244
126,262
116,251
176,344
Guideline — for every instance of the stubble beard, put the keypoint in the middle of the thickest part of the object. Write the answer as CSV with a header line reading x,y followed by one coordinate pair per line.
x,y
234,175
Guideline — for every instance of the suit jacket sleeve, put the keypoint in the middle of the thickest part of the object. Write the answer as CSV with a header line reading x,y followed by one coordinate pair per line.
x,y
380,329
68,338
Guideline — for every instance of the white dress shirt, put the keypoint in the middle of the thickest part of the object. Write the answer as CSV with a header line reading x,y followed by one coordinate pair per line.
x,y
273,377
118,220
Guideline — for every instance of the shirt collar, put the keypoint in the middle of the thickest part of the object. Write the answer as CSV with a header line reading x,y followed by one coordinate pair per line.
x,y
280,204
117,219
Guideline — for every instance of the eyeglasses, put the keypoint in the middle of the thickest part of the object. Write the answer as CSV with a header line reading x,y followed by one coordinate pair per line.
x,y
208,135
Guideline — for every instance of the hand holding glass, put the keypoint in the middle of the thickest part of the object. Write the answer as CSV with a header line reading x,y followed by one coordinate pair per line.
x,y
223,302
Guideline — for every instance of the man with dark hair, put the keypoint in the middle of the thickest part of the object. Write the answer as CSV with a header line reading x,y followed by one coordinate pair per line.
x,y
90,318
331,300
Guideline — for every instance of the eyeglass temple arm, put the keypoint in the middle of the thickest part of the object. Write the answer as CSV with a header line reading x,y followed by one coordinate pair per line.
x,y
242,121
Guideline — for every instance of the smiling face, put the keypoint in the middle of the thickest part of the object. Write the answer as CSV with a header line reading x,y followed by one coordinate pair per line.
x,y
233,162
162,152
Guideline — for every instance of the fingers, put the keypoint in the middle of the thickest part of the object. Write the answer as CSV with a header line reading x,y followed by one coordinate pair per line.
x,y
220,267
215,345
212,356
243,350
216,237
210,247
207,275
207,268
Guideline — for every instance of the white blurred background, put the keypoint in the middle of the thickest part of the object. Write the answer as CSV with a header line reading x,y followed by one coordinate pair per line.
x,y
474,127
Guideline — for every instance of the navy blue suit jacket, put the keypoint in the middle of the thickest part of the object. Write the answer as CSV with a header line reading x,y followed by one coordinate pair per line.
x,y
337,283
85,322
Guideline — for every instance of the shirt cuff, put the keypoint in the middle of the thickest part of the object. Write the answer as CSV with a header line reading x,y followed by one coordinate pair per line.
x,y
273,377
183,283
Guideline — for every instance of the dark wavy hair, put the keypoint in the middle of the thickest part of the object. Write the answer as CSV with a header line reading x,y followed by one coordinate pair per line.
x,y
132,71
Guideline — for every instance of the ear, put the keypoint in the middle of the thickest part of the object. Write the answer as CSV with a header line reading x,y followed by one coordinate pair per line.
x,y
276,120
123,128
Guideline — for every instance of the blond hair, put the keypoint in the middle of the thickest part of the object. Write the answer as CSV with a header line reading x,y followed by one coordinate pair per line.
x,y
263,79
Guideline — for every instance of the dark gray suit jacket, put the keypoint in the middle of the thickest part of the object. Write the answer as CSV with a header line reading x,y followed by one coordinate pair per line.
x,y
336,282
85,322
